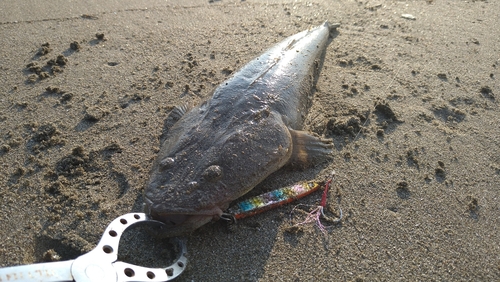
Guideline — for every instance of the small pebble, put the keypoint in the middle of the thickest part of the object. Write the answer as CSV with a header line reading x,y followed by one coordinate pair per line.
x,y
408,16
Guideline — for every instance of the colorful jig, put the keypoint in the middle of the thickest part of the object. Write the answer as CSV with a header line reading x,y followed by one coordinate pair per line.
x,y
283,196
270,200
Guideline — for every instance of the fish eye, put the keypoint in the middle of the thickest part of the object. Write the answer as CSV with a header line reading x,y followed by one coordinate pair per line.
x,y
213,173
167,163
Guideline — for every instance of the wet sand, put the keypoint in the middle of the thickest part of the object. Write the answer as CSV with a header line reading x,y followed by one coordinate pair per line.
x,y
411,105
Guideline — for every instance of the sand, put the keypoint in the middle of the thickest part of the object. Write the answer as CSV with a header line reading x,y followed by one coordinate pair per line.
x,y
410,102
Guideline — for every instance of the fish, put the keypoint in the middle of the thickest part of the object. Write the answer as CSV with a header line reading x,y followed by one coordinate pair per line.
x,y
218,151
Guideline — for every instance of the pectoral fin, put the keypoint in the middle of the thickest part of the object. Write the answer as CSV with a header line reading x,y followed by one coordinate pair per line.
x,y
307,149
174,116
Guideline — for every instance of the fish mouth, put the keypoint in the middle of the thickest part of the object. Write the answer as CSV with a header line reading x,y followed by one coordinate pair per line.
x,y
180,224
177,224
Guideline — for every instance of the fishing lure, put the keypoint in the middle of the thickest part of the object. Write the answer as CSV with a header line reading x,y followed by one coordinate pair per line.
x,y
284,196
270,200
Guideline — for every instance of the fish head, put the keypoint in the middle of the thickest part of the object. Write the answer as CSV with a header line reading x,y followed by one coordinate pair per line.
x,y
201,168
184,205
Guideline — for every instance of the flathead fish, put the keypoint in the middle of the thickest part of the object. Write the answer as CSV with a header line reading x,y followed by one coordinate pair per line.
x,y
216,152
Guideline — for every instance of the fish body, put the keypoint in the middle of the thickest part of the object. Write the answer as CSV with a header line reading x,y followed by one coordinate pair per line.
x,y
218,151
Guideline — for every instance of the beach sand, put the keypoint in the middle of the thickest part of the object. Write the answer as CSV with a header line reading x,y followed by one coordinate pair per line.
x,y
411,104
